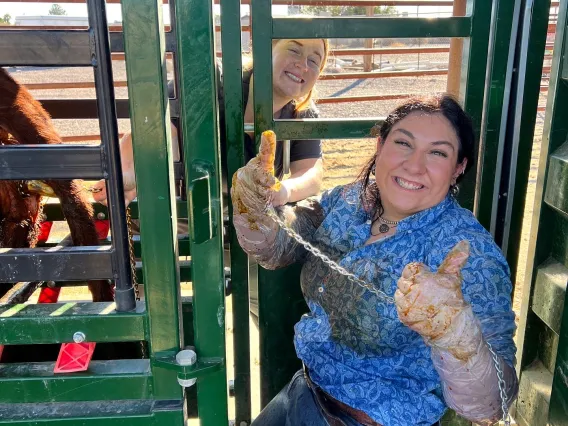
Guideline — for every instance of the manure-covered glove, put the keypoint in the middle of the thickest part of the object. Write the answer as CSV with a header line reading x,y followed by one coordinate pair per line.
x,y
253,189
432,304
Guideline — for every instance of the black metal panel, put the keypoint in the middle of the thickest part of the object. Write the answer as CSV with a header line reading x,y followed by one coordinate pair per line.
x,y
48,48
55,264
55,47
57,162
124,289
79,109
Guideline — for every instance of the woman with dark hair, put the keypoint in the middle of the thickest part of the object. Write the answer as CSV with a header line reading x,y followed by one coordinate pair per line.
x,y
388,341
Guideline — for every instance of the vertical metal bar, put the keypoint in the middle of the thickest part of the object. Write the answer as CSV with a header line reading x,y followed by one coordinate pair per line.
x,y
503,40
144,45
472,86
102,64
234,130
520,140
261,32
198,106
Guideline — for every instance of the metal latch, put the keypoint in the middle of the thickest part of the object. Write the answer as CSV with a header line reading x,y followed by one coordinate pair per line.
x,y
188,368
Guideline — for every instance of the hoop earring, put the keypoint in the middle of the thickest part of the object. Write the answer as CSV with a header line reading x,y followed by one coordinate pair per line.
x,y
373,169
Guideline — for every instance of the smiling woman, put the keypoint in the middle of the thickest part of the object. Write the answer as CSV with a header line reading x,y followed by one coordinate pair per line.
x,y
415,331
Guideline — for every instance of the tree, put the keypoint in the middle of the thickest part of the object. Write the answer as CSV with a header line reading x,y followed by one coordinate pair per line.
x,y
346,10
57,10
6,19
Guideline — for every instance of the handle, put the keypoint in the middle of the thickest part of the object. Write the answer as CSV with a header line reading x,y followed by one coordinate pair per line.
x,y
200,218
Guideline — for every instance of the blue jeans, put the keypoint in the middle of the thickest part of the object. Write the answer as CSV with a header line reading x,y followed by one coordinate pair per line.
x,y
295,405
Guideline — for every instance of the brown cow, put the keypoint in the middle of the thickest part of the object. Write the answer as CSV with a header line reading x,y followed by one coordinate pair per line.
x,y
24,121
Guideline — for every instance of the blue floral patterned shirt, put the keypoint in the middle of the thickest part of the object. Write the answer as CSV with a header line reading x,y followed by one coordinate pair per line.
x,y
353,343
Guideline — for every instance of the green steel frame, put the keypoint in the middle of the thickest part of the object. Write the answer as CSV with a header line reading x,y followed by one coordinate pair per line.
x,y
144,391
543,367
280,304
198,106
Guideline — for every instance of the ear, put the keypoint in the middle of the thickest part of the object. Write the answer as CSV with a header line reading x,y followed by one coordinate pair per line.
x,y
460,168
379,144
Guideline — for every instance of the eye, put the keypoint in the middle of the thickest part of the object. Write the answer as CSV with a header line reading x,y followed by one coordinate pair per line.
x,y
314,62
294,51
402,143
440,154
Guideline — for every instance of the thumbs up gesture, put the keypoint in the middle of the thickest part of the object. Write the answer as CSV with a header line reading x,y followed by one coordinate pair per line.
x,y
254,185
428,302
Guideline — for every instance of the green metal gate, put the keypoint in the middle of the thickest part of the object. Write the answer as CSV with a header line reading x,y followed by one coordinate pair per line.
x,y
150,389
543,330
280,305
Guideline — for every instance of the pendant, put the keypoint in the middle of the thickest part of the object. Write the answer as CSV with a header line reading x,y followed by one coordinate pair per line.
x,y
384,228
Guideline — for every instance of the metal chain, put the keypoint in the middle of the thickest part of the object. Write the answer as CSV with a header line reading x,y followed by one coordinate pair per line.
x,y
506,417
355,279
131,253
333,265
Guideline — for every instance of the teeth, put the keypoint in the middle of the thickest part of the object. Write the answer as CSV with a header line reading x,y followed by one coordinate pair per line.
x,y
294,78
408,185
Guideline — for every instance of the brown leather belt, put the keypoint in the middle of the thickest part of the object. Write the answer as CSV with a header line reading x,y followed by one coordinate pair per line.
x,y
330,406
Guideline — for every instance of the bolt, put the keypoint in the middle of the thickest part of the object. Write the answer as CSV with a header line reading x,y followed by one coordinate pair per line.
x,y
79,337
101,216
186,358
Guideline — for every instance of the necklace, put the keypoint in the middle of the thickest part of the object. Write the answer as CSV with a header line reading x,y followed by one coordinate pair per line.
x,y
384,227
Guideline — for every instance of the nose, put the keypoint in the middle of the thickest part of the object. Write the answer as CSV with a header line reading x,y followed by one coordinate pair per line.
x,y
302,63
415,163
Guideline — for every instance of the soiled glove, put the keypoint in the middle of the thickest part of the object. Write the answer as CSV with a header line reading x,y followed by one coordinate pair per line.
x,y
254,187
432,304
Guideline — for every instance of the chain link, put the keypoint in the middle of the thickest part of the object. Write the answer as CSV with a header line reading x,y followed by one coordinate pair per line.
x,y
131,253
333,265
355,279
501,381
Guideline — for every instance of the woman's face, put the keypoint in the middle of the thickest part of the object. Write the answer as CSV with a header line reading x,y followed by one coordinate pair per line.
x,y
296,66
416,164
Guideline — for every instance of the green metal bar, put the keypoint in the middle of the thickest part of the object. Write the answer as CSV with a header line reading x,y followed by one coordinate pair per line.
x,y
327,128
371,27
184,271
558,415
535,27
198,105
497,88
146,71
105,380
56,323
474,65
261,29
234,129
113,413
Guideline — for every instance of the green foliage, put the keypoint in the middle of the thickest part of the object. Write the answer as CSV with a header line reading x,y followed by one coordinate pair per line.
x,y
6,19
346,10
57,10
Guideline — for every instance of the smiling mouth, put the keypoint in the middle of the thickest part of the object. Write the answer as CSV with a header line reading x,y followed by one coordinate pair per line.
x,y
293,77
406,184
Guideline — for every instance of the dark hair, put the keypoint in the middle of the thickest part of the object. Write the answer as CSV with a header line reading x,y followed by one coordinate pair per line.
x,y
445,105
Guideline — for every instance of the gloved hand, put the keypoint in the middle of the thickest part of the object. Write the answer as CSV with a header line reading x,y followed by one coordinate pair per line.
x,y
432,304
253,190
